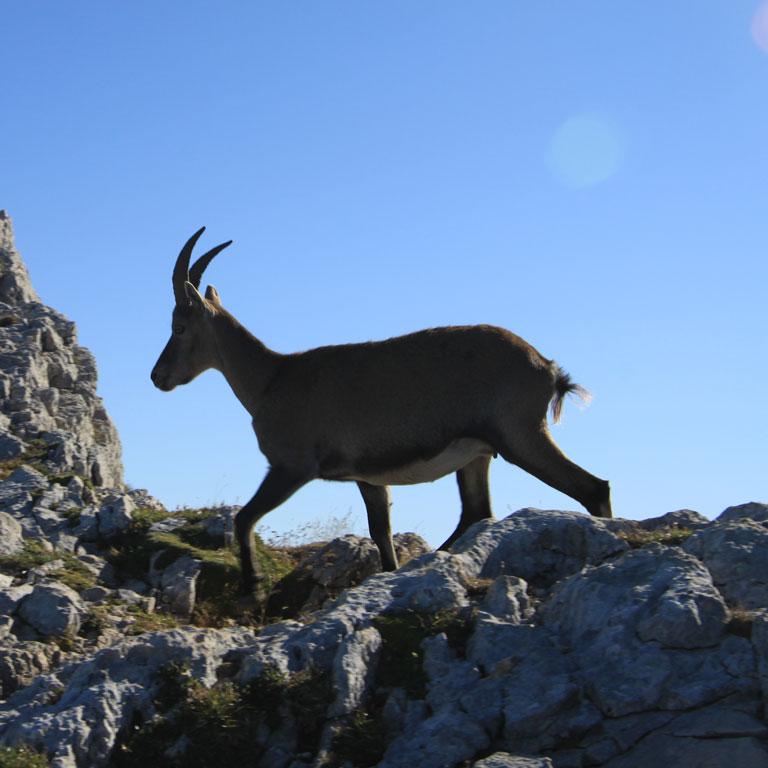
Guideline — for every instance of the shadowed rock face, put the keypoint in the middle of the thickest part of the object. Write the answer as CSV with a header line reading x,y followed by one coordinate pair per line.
x,y
48,401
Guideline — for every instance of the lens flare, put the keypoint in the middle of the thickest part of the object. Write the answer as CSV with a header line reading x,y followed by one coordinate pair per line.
x,y
584,151
759,27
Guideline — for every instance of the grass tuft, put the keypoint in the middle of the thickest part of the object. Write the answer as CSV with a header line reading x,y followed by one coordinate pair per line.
x,y
672,536
401,664
199,727
22,757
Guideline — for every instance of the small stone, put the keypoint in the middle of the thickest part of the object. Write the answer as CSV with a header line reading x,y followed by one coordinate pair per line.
x,y
10,447
178,583
96,594
506,760
11,540
115,515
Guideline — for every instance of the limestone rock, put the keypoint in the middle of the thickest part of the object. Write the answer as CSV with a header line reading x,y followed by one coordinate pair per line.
x,y
680,518
644,630
327,570
15,285
408,546
52,610
179,586
736,554
11,540
21,663
540,546
507,598
353,670
115,516
505,760
753,510
48,387
76,714
445,739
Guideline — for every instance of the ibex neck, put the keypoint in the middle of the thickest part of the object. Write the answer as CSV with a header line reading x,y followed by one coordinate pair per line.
x,y
247,364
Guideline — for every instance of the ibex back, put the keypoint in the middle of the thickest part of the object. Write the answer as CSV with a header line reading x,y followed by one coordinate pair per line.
x,y
405,410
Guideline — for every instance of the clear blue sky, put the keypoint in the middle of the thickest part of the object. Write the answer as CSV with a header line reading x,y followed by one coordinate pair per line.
x,y
593,176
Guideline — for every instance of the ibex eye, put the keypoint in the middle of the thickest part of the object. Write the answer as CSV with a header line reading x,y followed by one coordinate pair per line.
x,y
178,329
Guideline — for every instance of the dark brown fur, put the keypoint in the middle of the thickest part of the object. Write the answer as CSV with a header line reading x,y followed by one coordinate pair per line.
x,y
358,411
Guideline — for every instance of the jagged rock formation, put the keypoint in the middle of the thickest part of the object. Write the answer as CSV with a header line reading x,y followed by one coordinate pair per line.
x,y
630,657
48,383
548,639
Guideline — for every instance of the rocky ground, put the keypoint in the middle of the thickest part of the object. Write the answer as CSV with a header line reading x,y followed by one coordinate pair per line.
x,y
548,638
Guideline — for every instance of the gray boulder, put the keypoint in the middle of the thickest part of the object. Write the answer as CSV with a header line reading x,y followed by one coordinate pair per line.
x,y
21,663
53,610
178,584
115,516
655,593
325,572
753,510
736,554
540,546
646,632
11,540
10,447
680,518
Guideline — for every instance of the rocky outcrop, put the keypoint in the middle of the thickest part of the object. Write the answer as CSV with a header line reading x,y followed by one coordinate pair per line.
x,y
50,412
629,658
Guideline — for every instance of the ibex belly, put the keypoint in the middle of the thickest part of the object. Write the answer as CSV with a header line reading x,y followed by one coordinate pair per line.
x,y
457,455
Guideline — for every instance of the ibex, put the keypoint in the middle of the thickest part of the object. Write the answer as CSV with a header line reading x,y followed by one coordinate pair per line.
x,y
406,410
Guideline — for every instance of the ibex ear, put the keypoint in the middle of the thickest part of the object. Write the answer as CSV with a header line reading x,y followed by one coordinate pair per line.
x,y
213,295
196,301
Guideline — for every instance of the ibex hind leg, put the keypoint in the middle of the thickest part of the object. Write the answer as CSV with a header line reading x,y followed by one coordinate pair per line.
x,y
377,503
533,450
475,496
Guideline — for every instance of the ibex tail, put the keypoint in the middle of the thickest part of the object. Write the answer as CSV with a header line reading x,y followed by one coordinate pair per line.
x,y
564,386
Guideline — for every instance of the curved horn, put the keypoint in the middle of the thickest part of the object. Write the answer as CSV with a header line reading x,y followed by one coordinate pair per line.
x,y
197,269
181,270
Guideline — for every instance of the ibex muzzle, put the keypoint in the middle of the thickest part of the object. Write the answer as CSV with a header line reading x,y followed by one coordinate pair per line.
x,y
405,410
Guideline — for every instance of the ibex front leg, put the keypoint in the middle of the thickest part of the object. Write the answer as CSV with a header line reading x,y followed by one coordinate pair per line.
x,y
277,486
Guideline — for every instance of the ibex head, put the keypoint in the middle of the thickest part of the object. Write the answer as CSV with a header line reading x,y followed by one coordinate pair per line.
x,y
191,349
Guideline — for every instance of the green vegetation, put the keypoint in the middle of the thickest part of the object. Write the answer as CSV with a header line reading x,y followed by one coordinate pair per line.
x,y
64,478
72,516
74,574
220,725
363,741
34,456
31,556
143,621
22,757
401,663
673,536
741,621
218,600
